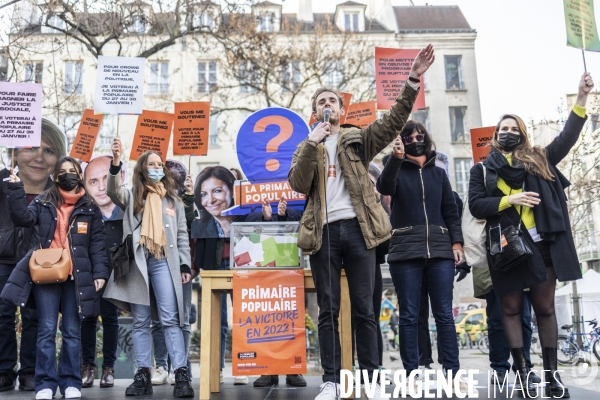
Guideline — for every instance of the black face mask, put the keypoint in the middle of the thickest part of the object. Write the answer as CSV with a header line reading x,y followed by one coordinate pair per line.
x,y
415,149
68,181
509,141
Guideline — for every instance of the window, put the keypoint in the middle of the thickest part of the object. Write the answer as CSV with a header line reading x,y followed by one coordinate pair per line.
x,y
458,124
290,76
33,72
55,21
595,123
475,319
204,21
453,73
267,22
108,131
351,22
249,78
3,68
422,116
207,76
462,174
159,78
70,124
213,133
138,24
334,74
72,81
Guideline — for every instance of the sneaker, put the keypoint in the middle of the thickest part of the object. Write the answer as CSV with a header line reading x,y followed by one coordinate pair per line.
x,y
376,393
44,394
142,383
72,393
160,376
463,387
329,391
266,380
221,377
295,380
26,382
172,378
240,380
183,387
6,383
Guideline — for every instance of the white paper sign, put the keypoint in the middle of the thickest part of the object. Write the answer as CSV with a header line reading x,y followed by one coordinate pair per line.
x,y
119,85
20,114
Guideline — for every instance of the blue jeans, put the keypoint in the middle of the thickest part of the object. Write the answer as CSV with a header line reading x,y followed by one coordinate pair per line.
x,y
408,280
499,350
50,300
224,327
110,336
161,282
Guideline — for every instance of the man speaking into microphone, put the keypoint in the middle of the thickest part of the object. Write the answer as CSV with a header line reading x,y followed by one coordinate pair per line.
x,y
343,220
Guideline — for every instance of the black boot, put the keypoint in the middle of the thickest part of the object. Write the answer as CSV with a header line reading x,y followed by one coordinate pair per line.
x,y
142,383
266,380
524,386
182,388
554,387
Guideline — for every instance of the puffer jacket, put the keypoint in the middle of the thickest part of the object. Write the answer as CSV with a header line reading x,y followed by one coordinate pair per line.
x,y
86,241
355,149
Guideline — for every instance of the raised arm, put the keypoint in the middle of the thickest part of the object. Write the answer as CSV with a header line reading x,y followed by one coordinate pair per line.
x,y
114,186
386,183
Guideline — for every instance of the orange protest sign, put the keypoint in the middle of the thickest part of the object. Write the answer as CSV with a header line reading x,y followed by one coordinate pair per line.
x,y
361,114
190,128
152,132
392,67
347,97
87,133
269,335
248,194
481,138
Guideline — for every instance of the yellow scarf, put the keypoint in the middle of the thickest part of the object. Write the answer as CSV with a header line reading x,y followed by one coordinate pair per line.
x,y
153,233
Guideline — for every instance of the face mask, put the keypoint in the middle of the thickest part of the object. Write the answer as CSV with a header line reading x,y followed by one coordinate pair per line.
x,y
68,182
415,149
156,175
508,141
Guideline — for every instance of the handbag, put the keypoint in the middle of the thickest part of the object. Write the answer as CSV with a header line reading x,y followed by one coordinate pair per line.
x,y
51,265
122,255
474,236
514,248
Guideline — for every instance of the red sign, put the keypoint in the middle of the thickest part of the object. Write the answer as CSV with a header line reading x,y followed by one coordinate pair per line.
x,y
362,114
87,133
190,129
481,139
152,132
392,67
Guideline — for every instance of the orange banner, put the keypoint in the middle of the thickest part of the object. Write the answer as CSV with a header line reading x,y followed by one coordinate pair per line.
x,y
269,335
362,114
347,99
247,194
392,67
191,128
87,133
481,139
152,132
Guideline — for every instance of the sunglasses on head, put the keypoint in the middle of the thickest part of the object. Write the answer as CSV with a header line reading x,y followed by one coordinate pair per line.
x,y
409,139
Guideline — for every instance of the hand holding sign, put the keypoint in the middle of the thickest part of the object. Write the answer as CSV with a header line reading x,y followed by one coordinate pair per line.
x,y
586,84
398,149
189,185
422,62
13,176
117,150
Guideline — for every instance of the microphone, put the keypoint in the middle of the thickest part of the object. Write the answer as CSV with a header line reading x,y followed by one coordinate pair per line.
x,y
326,115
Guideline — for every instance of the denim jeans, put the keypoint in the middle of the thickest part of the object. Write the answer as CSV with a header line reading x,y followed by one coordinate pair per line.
x,y
425,355
8,335
50,300
161,282
224,326
110,334
344,247
499,350
408,278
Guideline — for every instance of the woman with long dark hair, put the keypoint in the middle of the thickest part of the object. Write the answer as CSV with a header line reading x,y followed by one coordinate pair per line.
x,y
65,218
155,217
522,183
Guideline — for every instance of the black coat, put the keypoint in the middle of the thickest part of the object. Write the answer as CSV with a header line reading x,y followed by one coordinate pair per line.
x,y
87,249
114,234
484,200
425,218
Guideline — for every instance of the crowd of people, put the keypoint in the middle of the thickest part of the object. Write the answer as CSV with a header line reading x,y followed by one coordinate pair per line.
x,y
355,214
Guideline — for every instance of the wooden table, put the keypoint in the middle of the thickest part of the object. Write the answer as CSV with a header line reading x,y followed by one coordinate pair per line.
x,y
214,283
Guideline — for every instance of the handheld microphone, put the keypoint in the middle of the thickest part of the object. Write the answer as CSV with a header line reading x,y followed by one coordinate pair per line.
x,y
326,115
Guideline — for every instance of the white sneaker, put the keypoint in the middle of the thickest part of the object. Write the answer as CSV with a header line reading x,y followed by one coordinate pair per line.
x,y
329,391
463,387
72,393
45,394
160,376
172,378
240,380
376,393
221,377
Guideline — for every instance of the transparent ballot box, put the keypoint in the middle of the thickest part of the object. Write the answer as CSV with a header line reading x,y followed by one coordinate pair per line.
x,y
259,245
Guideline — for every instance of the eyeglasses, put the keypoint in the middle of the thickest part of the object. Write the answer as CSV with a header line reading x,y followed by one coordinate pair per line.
x,y
410,139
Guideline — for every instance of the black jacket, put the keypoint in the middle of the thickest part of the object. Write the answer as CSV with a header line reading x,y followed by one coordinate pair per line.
x,y
424,218
87,249
114,234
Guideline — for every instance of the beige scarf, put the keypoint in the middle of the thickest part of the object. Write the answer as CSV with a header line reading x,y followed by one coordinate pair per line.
x,y
153,233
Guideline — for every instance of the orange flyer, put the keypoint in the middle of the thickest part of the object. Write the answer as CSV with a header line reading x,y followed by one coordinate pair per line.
x,y
87,133
191,128
392,67
362,114
347,99
152,132
481,139
254,193
269,333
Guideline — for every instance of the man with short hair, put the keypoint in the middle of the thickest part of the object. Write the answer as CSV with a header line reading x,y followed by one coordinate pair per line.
x,y
344,221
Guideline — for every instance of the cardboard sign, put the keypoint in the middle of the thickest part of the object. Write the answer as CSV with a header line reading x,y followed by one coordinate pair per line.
x,y
392,67
152,132
249,194
362,114
191,128
119,85
347,99
269,335
481,139
87,133
582,32
20,114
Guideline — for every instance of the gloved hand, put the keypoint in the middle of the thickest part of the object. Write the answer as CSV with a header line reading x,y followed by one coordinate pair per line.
x,y
461,271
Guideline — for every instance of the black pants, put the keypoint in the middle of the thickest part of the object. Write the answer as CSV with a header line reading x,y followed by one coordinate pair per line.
x,y
425,355
110,324
345,248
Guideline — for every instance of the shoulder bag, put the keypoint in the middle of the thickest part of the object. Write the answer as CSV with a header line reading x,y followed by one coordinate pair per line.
x,y
474,235
122,255
51,265
508,246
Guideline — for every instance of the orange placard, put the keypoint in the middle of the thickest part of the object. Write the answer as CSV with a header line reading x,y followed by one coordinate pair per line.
x,y
361,114
191,128
269,335
248,194
87,133
152,132
392,67
481,139
347,99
